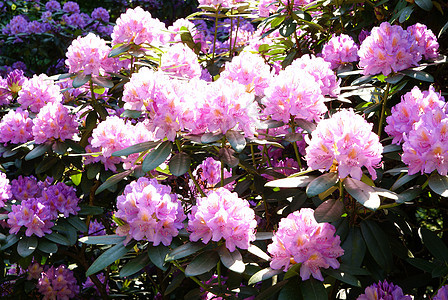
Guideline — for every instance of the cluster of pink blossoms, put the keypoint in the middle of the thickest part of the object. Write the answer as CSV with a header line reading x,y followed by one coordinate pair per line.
x,y
442,293
412,106
38,91
427,44
347,140
11,85
58,283
208,174
340,50
16,127
222,215
5,189
180,61
199,36
151,212
300,239
384,290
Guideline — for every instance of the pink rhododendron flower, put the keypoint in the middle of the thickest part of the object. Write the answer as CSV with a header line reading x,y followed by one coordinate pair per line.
x,y
208,174
383,290
58,283
151,212
198,35
180,61
300,239
222,215
427,44
23,188
345,140
16,127
340,50
61,199
54,122
34,215
38,91
410,109
388,49
5,189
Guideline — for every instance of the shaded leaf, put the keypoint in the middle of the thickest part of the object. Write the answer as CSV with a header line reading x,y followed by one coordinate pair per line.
x,y
439,184
58,239
226,155
272,290
421,264
261,236
175,283
38,151
81,79
133,114
157,255
112,180
109,257
290,291
179,164
77,223
137,148
306,125
419,75
134,266
184,250
354,248
291,182
236,140
363,193
424,4
394,79
47,246
202,263
313,289
405,13
402,180
119,50
329,211
90,210
410,194
377,243
10,241
434,244
321,184
232,260
101,81
27,245
343,276
209,137
157,156
102,239
263,275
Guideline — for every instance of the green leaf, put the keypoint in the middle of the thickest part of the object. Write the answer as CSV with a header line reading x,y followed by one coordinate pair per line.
x,y
93,170
434,244
306,125
77,223
90,210
209,137
410,194
109,257
405,13
363,193
134,266
38,151
291,182
76,178
313,289
290,291
70,233
156,157
287,28
58,239
272,290
202,263
321,184
422,264
444,28
81,79
441,270
232,260
59,147
439,184
137,148
101,81
236,140
27,245
354,248
46,164
419,75
424,4
377,243
184,250
157,255
119,50
102,239
402,180
263,275
179,164
10,241
362,79
47,246
394,79
391,148
329,211
112,180
175,283
133,114
343,276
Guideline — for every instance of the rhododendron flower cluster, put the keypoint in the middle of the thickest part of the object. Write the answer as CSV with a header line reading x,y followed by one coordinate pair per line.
x,y
33,215
442,293
71,7
383,290
52,5
412,106
300,239
198,35
151,212
180,61
294,93
58,283
5,189
388,49
38,91
208,174
23,188
16,127
425,147
340,50
427,44
345,140
34,271
54,122
222,215
139,27
61,198
15,81
96,228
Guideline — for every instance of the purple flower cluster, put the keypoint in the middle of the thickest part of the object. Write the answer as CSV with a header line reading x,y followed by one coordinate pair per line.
x,y
61,199
340,50
16,127
100,14
71,7
96,228
33,215
58,283
427,44
383,290
18,24
300,239
52,5
38,91
222,215
442,293
5,189
151,212
208,174
345,140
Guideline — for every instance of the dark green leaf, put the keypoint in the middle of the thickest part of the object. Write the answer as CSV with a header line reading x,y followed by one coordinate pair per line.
x,y
90,210
157,255
422,264
209,137
81,79
77,148
287,28
38,151
119,50
59,147
343,276
377,243
133,114
114,179
46,164
102,239
175,283
363,193
290,291
405,13
77,223
184,250
10,241
58,239
71,234
362,79
157,156
47,246
179,164
391,148
424,4
441,270
202,263
354,270
354,248
134,266
402,180
321,184
232,260
434,244
313,289
410,194
236,140
110,256
136,148
419,75
65,75
93,170
444,28
27,245
439,184
272,290
329,211
101,81
263,275
291,182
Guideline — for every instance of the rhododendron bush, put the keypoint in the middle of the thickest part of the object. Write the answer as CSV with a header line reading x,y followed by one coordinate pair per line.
x,y
252,150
